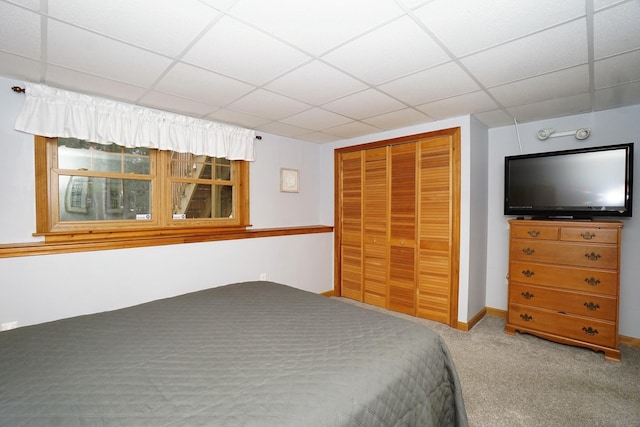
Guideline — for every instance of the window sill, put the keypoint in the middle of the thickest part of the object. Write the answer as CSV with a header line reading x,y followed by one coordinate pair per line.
x,y
159,238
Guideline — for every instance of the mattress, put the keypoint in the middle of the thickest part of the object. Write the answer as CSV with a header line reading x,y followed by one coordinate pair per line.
x,y
245,354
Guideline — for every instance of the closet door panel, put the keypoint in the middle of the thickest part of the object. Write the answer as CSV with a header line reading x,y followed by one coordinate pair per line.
x,y
375,214
435,230
351,225
402,228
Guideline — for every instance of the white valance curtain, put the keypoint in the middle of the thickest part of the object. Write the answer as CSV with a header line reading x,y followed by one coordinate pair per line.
x,y
55,112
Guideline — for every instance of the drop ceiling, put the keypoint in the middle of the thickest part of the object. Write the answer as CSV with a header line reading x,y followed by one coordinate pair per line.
x,y
327,70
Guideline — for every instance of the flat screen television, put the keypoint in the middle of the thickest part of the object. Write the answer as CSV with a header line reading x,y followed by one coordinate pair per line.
x,y
581,183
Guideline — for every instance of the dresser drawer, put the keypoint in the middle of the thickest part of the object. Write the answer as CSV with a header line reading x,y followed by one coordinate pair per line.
x,y
590,235
599,306
592,256
535,232
586,329
576,278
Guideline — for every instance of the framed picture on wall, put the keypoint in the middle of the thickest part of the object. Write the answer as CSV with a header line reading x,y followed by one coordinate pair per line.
x,y
289,180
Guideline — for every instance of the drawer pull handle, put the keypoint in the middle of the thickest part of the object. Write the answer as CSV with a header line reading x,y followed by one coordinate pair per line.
x,y
587,236
526,317
527,295
533,233
528,251
591,306
528,273
592,281
590,331
593,256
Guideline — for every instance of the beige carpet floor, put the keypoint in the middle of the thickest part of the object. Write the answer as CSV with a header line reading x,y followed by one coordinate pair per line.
x,y
523,380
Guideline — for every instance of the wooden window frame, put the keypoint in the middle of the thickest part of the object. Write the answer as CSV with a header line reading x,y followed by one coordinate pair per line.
x,y
159,227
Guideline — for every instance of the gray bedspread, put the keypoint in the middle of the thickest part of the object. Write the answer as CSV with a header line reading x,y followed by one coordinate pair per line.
x,y
247,354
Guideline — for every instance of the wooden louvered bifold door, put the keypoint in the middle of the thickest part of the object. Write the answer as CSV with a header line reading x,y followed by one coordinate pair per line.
x,y
397,216
435,230
351,225
376,258
402,229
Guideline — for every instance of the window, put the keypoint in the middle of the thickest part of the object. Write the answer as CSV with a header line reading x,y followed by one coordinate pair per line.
x,y
85,187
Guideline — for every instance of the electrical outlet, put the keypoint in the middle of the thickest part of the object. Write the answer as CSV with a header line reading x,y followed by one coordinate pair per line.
x,y
263,276
8,325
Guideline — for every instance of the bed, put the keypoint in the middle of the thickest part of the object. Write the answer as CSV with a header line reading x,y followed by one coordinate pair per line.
x,y
245,354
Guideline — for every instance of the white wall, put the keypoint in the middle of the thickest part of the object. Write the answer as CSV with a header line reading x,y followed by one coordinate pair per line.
x,y
270,207
473,212
41,288
17,215
608,127
478,218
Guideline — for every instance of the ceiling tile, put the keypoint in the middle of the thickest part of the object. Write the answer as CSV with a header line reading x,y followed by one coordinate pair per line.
x,y
353,129
494,118
84,51
237,118
269,105
466,26
283,129
459,105
19,67
188,107
316,26
318,137
443,81
219,4
411,4
617,96
146,23
30,4
617,69
571,81
20,31
398,119
552,108
92,85
316,119
204,85
616,29
398,48
601,4
531,55
235,49
364,104
315,83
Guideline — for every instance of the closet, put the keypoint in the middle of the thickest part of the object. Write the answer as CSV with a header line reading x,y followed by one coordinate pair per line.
x,y
397,224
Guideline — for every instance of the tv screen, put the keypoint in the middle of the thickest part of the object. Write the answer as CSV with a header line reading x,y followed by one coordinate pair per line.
x,y
580,183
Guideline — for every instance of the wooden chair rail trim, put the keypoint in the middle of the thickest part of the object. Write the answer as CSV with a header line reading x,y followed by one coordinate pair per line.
x,y
158,239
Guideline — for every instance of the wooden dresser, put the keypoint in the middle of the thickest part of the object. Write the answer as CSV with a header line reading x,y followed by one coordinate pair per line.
x,y
564,282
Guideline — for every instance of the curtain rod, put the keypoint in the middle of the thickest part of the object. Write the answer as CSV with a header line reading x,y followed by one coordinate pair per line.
x,y
18,89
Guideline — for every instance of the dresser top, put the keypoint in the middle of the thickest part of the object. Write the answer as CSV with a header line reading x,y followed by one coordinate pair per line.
x,y
567,223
